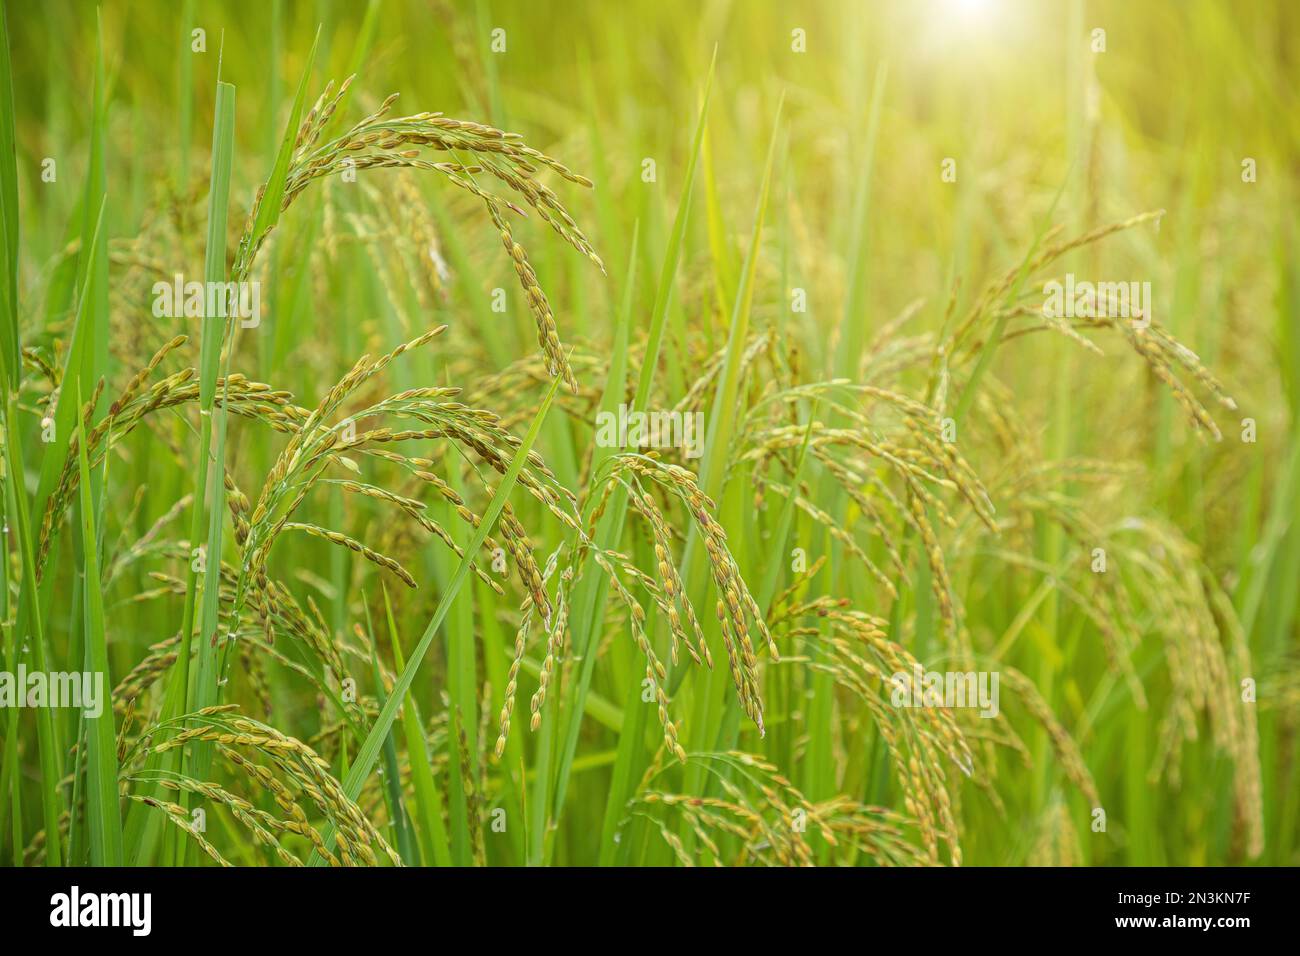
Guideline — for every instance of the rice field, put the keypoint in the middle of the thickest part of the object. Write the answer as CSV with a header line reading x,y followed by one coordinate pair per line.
x,y
650,434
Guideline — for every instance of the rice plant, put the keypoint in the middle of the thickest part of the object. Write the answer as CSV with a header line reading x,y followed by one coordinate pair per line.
x,y
864,440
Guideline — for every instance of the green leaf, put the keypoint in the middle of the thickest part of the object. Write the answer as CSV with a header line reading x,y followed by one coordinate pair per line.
x,y
9,340
428,804
268,210
103,813
392,774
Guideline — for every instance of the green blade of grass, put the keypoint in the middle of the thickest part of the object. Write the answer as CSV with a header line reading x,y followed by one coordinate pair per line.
x,y
392,775
721,421
462,696
9,338
103,814
268,210
10,375
211,467
431,830
200,690
31,623
31,599
185,91
94,259
365,38
852,321
87,354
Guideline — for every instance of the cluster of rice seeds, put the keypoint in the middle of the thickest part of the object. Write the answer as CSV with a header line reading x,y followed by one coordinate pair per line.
x,y
1067,751
547,336
1107,603
273,609
891,331
929,733
853,483
256,673
1052,323
60,499
357,836
1242,732
311,447
1154,345
944,458
380,141
259,823
419,477
934,463
759,810
418,511
859,657
786,609
512,681
180,817
473,795
516,386
1012,441
249,399
556,624
736,606
612,563
352,544
1057,841
530,574
480,431
34,849
477,431
285,797
35,360
555,632
136,263
385,262
1163,354
694,398
284,613
964,340
763,841
1192,616
69,475
878,832
674,604
836,531
401,241
145,674
1280,689
422,251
